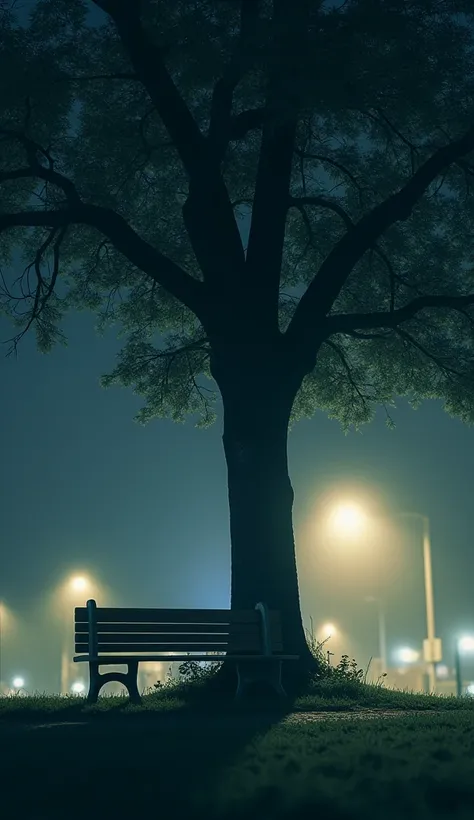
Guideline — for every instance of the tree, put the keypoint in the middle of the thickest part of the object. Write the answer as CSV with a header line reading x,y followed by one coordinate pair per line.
x,y
133,141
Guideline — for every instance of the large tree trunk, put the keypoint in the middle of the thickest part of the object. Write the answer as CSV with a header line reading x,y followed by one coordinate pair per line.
x,y
258,397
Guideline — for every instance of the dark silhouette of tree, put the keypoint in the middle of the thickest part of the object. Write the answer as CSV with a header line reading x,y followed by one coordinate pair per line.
x,y
134,139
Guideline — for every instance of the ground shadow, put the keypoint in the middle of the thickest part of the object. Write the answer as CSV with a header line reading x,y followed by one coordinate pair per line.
x,y
117,764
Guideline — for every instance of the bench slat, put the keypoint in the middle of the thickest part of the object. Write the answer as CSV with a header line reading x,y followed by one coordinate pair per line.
x,y
185,646
126,637
164,632
210,629
224,630
178,616
117,660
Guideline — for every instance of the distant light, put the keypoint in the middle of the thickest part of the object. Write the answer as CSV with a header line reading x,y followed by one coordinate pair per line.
x,y
407,655
79,584
470,689
466,643
328,630
442,671
18,683
348,519
78,687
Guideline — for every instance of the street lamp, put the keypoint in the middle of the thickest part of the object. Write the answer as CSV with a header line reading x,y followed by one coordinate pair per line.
x,y
464,644
431,645
407,655
1,636
328,631
432,651
79,583
74,589
382,632
8,624
349,519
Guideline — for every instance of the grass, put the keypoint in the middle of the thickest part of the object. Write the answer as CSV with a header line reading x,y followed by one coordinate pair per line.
x,y
331,695
411,767
342,767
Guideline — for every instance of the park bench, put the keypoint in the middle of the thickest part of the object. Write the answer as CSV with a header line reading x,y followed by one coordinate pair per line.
x,y
113,636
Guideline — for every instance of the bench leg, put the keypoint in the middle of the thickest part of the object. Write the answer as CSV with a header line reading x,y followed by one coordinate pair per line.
x,y
131,682
128,678
254,672
94,683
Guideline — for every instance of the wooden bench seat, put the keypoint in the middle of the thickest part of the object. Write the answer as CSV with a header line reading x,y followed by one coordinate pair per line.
x,y
112,635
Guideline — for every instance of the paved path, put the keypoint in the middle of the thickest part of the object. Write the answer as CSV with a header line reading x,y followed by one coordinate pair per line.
x,y
314,717
210,721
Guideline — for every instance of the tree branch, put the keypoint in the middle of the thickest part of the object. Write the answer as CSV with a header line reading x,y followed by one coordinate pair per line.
x,y
346,323
113,226
35,169
300,202
223,94
246,121
411,341
348,370
367,336
147,61
207,213
321,158
270,206
321,294
43,291
123,237
87,78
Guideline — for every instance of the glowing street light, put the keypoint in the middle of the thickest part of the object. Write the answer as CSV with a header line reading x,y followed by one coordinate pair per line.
x,y
348,519
78,688
79,583
463,644
466,643
73,592
328,631
407,655
18,682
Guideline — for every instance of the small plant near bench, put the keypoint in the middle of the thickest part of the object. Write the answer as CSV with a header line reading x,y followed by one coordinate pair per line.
x,y
346,671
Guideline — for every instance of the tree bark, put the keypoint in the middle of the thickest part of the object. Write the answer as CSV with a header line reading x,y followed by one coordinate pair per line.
x,y
258,393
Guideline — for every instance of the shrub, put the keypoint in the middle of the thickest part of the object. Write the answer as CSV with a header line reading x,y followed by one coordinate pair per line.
x,y
345,670
192,671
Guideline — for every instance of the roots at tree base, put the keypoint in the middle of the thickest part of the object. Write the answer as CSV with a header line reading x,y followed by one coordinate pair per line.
x,y
295,678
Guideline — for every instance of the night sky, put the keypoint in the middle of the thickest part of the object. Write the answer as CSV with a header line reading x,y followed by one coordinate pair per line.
x,y
144,509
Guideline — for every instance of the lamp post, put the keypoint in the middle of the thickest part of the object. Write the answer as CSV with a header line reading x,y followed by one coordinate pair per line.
x,y
349,518
382,632
1,635
77,585
8,624
431,646
465,643
457,667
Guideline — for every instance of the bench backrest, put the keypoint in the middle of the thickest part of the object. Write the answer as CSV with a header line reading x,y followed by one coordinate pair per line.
x,y
116,630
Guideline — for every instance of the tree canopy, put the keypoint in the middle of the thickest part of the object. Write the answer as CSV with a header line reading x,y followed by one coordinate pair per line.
x,y
137,137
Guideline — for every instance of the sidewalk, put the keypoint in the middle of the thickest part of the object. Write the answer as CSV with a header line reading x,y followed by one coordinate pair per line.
x,y
182,720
